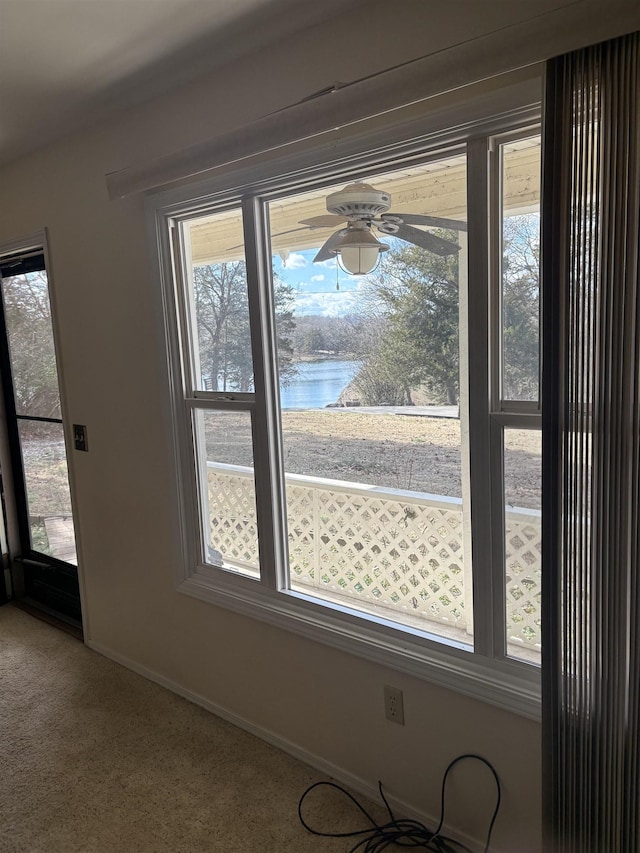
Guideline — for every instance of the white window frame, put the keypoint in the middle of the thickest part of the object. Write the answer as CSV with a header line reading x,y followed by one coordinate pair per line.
x,y
504,414
484,673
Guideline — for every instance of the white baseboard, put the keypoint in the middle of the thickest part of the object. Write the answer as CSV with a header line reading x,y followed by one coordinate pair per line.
x,y
339,774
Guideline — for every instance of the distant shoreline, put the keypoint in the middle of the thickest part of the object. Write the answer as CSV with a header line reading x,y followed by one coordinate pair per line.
x,y
313,359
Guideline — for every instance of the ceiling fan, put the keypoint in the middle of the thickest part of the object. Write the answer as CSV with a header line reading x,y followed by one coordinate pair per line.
x,y
363,207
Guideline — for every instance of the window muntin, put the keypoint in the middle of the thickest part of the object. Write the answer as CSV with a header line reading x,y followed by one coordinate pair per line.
x,y
373,495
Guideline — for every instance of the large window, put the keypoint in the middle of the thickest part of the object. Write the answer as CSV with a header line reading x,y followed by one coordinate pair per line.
x,y
359,453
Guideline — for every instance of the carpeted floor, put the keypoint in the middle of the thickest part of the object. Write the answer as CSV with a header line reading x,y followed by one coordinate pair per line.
x,y
95,759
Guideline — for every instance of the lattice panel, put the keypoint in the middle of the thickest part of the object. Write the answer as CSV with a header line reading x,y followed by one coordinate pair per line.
x,y
302,511
375,549
233,522
396,554
523,546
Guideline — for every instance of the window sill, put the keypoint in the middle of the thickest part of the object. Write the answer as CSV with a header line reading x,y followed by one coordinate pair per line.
x,y
509,685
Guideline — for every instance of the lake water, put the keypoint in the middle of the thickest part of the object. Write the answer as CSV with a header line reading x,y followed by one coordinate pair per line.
x,y
317,384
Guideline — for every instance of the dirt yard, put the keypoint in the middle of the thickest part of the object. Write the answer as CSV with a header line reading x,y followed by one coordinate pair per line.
x,y
421,454
46,475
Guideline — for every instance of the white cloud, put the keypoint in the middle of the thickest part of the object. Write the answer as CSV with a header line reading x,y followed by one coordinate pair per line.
x,y
314,286
333,303
317,278
296,261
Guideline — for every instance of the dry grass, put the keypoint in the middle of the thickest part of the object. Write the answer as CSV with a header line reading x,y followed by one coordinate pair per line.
x,y
396,451
421,454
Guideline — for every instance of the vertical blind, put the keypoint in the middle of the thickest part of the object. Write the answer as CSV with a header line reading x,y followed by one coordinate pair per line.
x,y
591,451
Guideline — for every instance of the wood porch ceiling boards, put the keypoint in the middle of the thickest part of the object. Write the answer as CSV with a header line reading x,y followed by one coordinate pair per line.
x,y
437,188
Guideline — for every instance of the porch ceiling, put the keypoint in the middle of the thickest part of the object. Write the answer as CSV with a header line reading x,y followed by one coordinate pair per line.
x,y
436,188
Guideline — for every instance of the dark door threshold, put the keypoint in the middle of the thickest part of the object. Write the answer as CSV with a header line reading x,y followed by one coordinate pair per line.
x,y
45,614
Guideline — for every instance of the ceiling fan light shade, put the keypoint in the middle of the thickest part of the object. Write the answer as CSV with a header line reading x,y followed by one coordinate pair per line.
x,y
359,260
359,251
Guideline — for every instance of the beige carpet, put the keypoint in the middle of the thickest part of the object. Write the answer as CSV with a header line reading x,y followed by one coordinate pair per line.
x,y
95,759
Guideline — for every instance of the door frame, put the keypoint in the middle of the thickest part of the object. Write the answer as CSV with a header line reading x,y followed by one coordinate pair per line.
x,y
21,554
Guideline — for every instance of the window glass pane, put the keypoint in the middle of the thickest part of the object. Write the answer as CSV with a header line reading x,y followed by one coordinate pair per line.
x,y
369,387
218,303
521,269
523,542
47,486
33,360
227,490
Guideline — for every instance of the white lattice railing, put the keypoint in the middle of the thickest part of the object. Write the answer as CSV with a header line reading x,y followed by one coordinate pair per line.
x,y
380,548
523,558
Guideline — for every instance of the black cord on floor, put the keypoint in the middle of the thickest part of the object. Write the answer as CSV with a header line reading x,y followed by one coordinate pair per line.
x,y
404,832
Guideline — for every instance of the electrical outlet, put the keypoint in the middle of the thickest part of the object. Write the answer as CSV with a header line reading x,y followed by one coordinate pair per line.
x,y
393,705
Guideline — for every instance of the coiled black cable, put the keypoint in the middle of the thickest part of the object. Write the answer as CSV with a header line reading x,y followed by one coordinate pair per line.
x,y
404,832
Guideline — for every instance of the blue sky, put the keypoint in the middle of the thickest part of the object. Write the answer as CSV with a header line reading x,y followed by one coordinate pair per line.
x,y
314,285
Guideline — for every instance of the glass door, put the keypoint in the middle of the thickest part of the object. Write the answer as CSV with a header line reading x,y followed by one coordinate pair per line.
x,y
35,434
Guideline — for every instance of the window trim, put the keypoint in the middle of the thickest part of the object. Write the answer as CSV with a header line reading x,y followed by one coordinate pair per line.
x,y
503,413
501,681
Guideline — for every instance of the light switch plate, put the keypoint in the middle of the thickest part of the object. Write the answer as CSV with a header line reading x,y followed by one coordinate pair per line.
x,y
80,437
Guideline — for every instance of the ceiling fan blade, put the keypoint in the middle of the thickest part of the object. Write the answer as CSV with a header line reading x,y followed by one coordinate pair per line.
x,y
329,220
423,219
426,240
327,251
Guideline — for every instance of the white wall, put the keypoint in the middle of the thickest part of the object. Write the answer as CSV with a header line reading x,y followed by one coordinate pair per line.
x,y
322,701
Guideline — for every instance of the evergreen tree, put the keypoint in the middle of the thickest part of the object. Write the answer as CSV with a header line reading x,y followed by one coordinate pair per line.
x,y
417,293
414,301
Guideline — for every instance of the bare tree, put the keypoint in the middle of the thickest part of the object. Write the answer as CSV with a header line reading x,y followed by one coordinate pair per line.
x,y
224,337
33,361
